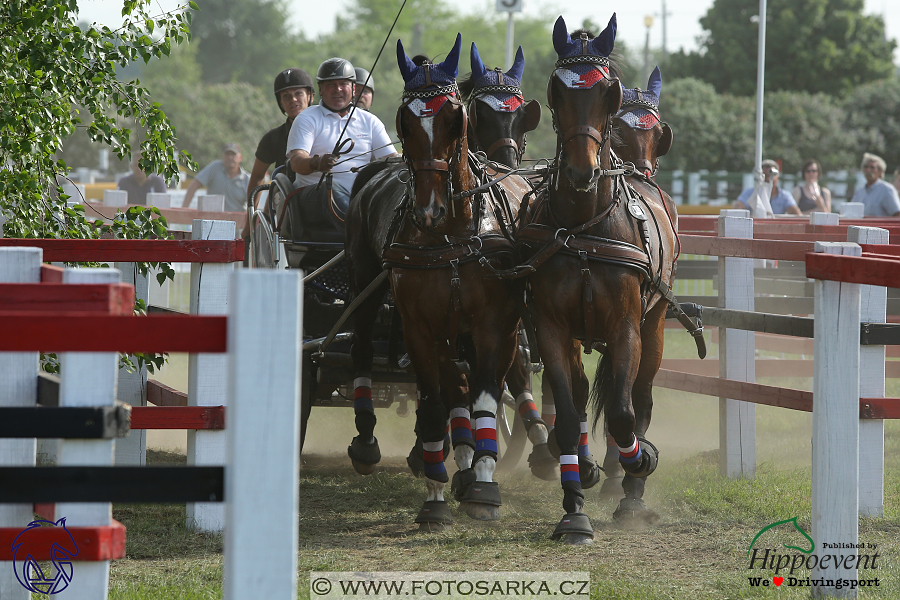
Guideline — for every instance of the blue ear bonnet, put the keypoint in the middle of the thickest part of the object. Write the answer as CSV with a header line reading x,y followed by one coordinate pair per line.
x,y
441,74
640,108
484,77
566,47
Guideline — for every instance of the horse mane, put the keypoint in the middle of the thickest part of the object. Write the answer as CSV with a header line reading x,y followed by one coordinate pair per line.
x,y
466,85
615,137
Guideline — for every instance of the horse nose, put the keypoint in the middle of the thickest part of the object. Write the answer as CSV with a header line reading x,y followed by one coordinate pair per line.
x,y
582,180
431,215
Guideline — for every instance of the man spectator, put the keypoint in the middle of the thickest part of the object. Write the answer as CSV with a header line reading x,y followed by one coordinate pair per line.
x,y
316,131
879,197
138,184
364,93
782,202
224,177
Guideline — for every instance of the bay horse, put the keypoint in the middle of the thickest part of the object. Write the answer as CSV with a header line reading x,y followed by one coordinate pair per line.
x,y
603,250
440,228
499,120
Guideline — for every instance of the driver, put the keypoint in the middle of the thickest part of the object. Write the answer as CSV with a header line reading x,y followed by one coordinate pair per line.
x,y
316,130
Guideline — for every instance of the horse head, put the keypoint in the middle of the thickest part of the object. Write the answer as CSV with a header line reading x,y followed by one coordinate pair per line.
x,y
499,117
431,124
644,138
583,96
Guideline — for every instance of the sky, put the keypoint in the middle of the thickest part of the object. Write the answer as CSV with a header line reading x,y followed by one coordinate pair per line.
x,y
682,24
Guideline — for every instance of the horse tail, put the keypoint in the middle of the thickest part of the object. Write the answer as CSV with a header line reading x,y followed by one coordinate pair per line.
x,y
601,391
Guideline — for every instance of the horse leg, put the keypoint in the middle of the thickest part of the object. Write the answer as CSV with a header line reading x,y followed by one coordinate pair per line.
x,y
542,463
633,506
575,526
588,468
453,385
363,450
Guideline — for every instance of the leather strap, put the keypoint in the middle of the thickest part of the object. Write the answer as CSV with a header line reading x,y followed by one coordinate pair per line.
x,y
587,301
502,143
455,308
430,165
582,130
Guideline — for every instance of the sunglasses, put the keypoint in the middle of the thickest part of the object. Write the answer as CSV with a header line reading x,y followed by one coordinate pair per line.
x,y
812,171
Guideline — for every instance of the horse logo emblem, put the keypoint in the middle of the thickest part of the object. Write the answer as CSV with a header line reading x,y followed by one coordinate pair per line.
x,y
793,521
62,552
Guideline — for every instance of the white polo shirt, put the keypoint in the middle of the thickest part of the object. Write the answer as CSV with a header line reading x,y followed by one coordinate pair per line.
x,y
317,129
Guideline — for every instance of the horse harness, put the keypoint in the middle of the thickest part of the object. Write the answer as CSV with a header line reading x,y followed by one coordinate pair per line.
x,y
485,90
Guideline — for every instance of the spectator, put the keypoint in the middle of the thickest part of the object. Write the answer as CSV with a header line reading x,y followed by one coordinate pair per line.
x,y
781,201
316,131
897,179
364,90
809,195
225,177
879,197
139,183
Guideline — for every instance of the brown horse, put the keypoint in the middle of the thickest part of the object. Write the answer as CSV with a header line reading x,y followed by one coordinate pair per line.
x,y
604,250
440,229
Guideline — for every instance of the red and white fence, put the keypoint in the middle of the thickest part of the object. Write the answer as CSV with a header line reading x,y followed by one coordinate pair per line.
x,y
259,376
848,378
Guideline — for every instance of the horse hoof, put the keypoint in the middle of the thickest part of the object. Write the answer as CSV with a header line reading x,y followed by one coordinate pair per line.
x,y
542,463
576,539
364,456
633,511
589,471
481,512
574,529
481,501
612,488
434,516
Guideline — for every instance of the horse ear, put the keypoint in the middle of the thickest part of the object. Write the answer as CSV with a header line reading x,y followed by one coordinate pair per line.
x,y
615,97
473,116
518,66
561,39
450,66
407,67
478,68
654,84
604,43
665,142
532,115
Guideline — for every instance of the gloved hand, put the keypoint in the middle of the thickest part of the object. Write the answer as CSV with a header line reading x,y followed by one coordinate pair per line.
x,y
323,163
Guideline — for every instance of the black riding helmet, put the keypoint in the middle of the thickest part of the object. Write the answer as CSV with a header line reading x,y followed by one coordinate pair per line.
x,y
362,75
291,78
336,68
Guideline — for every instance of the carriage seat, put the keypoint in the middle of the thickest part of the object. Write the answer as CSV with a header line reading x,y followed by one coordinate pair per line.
x,y
311,218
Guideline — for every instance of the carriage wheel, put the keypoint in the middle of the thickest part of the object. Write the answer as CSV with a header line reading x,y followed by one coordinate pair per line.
x,y
262,242
512,431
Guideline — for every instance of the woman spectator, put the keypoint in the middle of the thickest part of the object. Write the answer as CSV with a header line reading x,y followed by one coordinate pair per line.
x,y
810,196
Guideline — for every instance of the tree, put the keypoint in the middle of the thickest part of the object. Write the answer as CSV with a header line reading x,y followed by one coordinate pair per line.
x,y
873,112
815,46
50,67
243,40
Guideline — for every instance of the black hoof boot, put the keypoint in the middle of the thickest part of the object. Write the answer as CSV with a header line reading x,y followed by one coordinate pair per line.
x,y
574,529
364,456
461,482
633,511
481,501
649,460
589,471
543,464
434,516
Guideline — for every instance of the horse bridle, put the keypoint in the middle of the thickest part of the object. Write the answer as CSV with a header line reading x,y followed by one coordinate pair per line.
x,y
486,90
642,164
587,130
451,92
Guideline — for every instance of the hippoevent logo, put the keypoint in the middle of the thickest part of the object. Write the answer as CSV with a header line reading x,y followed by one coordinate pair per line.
x,y
781,566
59,545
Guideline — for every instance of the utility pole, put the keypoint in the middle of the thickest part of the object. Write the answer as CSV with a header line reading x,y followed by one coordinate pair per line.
x,y
665,16
509,7
648,23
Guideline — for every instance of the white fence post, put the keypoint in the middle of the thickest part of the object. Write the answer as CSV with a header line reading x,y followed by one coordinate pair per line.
x,y
18,387
835,441
737,353
263,430
132,450
87,379
873,309
207,373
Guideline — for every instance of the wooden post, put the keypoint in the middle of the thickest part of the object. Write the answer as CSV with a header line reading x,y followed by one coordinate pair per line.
x,y
737,349
835,442
132,450
263,430
18,387
207,373
873,309
88,379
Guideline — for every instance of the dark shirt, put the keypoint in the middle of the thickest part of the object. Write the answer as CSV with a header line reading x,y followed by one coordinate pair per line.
x,y
272,147
137,193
